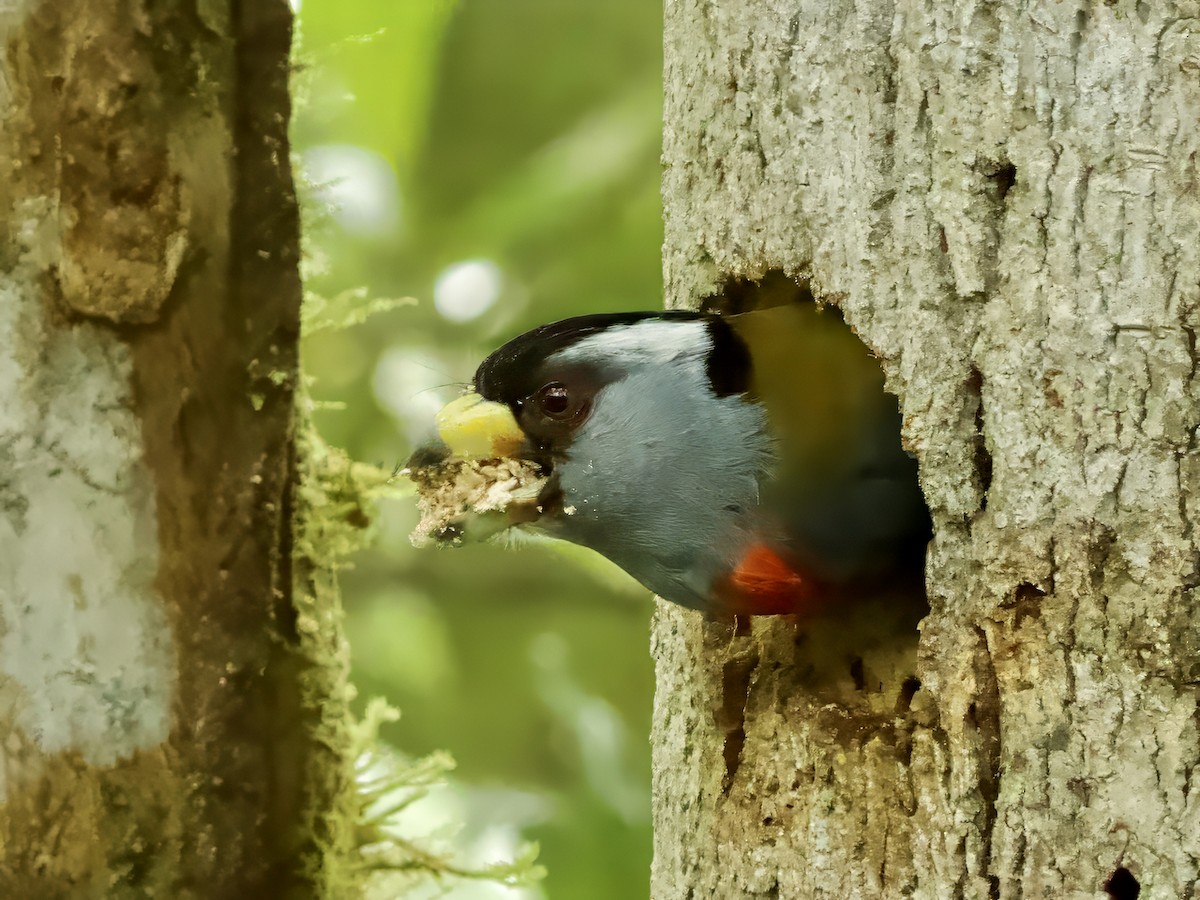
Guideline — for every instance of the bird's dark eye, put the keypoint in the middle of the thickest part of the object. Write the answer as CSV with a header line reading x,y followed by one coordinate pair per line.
x,y
553,400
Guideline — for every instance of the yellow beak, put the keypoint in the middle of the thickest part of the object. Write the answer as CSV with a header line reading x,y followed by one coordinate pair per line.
x,y
474,428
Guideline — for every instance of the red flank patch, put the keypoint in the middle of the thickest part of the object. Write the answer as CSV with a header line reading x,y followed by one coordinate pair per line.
x,y
764,584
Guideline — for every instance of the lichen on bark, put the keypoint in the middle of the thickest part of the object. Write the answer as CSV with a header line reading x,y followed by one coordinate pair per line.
x,y
1003,200
149,249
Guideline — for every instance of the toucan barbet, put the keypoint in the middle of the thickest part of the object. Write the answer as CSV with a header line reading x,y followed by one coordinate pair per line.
x,y
737,464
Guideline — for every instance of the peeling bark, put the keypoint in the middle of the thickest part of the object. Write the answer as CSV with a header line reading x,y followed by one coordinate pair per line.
x,y
170,690
1003,200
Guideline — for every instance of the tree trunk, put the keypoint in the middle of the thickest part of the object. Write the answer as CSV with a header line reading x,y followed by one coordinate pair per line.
x,y
169,713
1003,200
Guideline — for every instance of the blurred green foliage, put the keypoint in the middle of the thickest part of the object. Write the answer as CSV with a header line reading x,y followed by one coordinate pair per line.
x,y
498,161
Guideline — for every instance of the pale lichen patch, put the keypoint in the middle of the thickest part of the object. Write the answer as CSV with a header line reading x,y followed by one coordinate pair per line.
x,y
85,646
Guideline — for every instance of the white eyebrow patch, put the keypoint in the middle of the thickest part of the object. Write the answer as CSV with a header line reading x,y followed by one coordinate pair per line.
x,y
648,341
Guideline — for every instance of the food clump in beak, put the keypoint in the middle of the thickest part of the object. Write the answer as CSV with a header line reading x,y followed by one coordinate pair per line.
x,y
475,485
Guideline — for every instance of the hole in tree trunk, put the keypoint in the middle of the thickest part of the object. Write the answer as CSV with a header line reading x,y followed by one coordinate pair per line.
x,y
846,495
825,396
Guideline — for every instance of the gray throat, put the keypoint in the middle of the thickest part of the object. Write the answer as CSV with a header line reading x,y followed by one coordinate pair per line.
x,y
663,480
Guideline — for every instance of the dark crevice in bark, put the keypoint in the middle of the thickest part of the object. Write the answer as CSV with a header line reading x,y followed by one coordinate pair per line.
x,y
999,177
1081,21
982,458
731,717
1026,602
1190,334
857,674
1002,179
908,690
1121,885
1027,592
741,626
983,716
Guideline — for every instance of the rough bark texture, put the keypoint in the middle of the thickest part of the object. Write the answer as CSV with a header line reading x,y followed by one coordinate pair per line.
x,y
167,709
1003,199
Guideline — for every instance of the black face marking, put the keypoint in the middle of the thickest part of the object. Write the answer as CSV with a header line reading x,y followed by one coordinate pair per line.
x,y
728,364
550,416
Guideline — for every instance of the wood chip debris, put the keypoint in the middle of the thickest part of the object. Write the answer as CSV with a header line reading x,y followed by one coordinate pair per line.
x,y
473,498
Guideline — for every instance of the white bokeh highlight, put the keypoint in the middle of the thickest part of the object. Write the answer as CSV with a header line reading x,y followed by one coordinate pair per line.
x,y
358,184
466,290
412,384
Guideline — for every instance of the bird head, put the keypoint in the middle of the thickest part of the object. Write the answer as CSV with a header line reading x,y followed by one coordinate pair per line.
x,y
749,461
652,452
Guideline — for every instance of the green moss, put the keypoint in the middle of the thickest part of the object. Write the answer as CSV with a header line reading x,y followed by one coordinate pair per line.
x,y
346,309
358,785
331,521
389,783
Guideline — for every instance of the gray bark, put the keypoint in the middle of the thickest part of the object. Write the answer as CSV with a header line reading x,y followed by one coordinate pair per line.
x,y
169,706
1003,200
